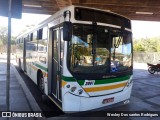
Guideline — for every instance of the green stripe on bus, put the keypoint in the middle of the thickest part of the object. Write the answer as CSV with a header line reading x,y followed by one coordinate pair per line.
x,y
106,81
112,80
98,82
68,79
81,82
41,67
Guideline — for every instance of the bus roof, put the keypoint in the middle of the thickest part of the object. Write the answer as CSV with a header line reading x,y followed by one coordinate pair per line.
x,y
60,13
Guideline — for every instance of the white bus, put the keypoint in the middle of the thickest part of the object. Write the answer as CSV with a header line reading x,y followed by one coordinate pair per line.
x,y
80,57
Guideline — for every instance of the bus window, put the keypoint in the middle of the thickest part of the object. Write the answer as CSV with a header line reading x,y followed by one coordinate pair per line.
x,y
31,37
31,47
35,35
27,38
40,31
42,46
82,59
120,51
17,42
61,47
21,40
45,32
56,45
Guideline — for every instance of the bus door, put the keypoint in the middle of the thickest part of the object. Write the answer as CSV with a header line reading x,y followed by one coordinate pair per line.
x,y
56,65
24,55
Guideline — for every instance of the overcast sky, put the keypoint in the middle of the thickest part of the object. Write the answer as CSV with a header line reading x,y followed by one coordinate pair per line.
x,y
141,29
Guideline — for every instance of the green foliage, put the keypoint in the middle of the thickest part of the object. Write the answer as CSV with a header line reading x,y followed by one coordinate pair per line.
x,y
147,44
4,39
3,35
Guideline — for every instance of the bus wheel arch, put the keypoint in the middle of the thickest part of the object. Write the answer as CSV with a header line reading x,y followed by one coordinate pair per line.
x,y
41,85
40,81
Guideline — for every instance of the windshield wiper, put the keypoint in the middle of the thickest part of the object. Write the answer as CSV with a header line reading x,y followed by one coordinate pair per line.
x,y
94,42
116,44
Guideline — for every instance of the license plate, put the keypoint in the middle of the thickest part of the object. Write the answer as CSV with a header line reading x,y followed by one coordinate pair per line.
x,y
108,100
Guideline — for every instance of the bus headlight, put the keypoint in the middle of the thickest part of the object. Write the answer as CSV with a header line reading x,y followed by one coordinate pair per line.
x,y
130,81
73,89
80,91
76,90
68,86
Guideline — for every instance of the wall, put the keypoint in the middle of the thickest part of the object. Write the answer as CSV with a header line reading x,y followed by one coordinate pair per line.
x,y
146,57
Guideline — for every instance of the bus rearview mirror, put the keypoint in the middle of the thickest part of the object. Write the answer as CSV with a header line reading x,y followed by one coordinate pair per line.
x,y
67,31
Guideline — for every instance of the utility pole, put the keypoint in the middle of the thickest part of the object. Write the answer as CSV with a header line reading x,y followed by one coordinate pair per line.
x,y
10,9
8,58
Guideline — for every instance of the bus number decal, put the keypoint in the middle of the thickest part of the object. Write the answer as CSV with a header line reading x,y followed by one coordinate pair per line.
x,y
89,82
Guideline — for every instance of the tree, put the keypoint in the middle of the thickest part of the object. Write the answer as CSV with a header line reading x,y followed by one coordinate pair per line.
x,y
147,44
138,47
3,34
4,38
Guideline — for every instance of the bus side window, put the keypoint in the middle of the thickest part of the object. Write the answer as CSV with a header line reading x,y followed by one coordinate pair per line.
x,y
45,32
61,48
42,45
35,35
31,37
17,42
39,34
21,40
27,38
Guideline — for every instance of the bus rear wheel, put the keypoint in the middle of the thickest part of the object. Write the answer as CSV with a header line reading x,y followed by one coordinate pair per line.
x,y
19,65
41,82
45,98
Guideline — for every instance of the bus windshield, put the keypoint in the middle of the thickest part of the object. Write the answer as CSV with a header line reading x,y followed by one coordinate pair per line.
x,y
112,52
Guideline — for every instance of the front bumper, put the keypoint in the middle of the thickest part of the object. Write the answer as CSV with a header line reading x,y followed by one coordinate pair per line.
x,y
72,103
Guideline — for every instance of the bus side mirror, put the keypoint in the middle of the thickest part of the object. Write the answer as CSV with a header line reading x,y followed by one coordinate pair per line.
x,y
67,31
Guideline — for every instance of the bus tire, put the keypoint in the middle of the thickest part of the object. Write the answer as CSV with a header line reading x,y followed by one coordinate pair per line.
x,y
40,81
19,65
45,99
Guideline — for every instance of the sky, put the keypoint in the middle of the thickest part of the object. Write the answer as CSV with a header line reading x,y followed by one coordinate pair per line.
x,y
140,29
20,24
143,29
